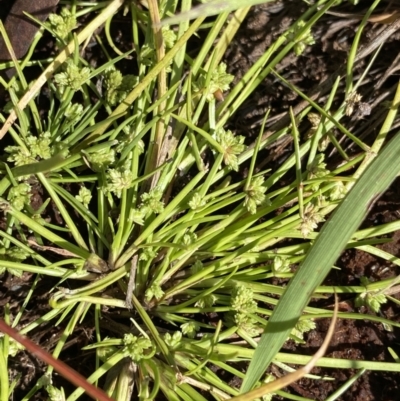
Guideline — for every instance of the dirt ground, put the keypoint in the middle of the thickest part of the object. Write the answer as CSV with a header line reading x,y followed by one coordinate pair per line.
x,y
321,63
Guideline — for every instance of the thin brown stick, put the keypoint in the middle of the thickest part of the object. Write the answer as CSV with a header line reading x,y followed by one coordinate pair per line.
x,y
62,368
131,282
384,18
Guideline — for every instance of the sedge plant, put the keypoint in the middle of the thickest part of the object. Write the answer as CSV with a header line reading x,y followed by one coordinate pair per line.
x,y
164,246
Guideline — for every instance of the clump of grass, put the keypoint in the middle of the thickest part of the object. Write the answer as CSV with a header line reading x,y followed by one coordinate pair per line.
x,y
159,227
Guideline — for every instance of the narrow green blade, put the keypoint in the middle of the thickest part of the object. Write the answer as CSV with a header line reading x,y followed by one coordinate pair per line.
x,y
332,239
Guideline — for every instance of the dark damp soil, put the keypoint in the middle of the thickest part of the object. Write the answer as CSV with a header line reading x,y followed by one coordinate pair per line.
x,y
322,62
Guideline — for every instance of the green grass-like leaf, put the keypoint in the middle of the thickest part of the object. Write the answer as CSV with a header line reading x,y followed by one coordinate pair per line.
x,y
322,255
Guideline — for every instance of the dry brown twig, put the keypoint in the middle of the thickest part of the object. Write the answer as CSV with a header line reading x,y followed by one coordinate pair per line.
x,y
59,60
298,374
62,368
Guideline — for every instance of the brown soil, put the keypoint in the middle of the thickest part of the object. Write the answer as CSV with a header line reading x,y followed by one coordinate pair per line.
x,y
320,63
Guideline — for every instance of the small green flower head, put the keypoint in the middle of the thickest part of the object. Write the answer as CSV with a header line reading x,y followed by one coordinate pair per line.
x,y
73,77
148,253
306,38
40,146
190,328
310,220
189,238
55,394
317,169
101,159
147,54
152,201
14,347
323,143
206,302
137,216
126,139
255,195
19,156
174,340
196,267
353,101
118,180
19,196
61,148
169,37
219,82
73,112
247,323
84,196
117,86
232,146
338,191
154,291
220,79
136,347
197,201
62,24
281,265
16,254
112,78
372,299
243,300
141,147
314,120
302,326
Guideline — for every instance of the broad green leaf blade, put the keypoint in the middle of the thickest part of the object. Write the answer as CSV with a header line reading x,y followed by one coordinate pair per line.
x,y
212,7
332,239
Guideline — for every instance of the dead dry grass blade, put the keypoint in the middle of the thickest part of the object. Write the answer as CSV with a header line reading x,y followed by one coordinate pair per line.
x,y
62,368
59,60
290,378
